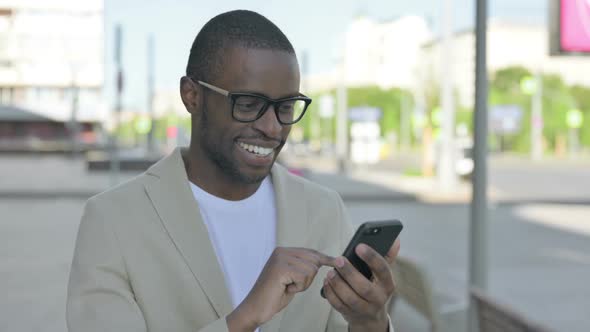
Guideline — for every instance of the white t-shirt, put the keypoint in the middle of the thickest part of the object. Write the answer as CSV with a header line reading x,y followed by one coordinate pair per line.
x,y
242,233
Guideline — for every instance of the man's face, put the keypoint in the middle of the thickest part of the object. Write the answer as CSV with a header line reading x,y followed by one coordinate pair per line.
x,y
246,151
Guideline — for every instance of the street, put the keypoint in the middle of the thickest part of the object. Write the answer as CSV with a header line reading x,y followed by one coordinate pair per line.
x,y
537,268
539,251
549,180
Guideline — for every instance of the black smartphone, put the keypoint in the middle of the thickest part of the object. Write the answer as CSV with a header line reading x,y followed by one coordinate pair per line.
x,y
379,235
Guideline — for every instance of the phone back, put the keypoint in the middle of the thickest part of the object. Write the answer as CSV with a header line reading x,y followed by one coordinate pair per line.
x,y
379,235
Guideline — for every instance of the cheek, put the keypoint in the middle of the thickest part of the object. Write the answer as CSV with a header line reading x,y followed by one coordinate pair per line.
x,y
285,132
220,126
226,137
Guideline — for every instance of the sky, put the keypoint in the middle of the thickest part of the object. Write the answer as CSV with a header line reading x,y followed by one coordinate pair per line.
x,y
314,27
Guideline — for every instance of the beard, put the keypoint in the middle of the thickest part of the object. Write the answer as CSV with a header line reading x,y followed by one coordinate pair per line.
x,y
222,158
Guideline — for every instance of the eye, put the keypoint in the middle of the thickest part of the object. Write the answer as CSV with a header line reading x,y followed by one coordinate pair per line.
x,y
248,104
287,106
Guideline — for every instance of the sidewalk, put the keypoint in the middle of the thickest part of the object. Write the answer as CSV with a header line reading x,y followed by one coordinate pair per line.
x,y
51,177
357,188
510,181
379,183
59,177
55,176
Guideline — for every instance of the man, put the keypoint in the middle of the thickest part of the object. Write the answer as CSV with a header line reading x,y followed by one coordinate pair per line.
x,y
216,237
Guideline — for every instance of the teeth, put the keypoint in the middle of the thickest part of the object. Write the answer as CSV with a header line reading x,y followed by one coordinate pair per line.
x,y
256,149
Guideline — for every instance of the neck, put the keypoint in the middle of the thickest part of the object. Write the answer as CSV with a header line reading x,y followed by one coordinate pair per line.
x,y
205,174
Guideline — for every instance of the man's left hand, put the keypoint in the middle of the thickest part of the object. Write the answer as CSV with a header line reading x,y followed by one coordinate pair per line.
x,y
362,301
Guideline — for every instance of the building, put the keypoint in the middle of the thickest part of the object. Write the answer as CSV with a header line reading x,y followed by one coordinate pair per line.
x,y
168,102
382,53
509,44
51,58
24,131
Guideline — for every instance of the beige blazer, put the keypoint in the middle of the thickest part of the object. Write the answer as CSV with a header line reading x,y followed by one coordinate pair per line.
x,y
144,262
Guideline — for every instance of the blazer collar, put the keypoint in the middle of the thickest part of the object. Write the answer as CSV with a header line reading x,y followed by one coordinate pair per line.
x,y
175,204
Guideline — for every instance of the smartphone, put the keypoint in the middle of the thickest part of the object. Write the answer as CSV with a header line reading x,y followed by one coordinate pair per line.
x,y
379,235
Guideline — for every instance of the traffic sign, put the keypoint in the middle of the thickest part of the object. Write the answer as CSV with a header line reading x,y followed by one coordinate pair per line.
x,y
364,114
505,119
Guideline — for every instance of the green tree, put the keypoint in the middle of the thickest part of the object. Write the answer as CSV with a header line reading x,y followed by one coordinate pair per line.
x,y
388,101
581,96
505,89
557,100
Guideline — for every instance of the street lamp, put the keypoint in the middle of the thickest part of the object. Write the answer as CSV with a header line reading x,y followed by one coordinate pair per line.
x,y
533,86
446,157
574,120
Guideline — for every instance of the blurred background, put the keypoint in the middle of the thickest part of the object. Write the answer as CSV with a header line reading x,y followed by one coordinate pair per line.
x,y
89,98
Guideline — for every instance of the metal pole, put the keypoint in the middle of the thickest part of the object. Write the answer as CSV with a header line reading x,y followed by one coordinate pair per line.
x,y
150,101
316,130
446,160
74,125
115,165
537,119
405,123
573,142
342,122
479,210
304,70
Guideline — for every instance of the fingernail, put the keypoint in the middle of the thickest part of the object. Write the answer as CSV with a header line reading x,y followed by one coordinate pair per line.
x,y
331,274
361,248
340,261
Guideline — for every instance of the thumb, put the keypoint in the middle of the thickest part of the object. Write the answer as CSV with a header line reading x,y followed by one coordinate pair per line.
x,y
292,288
393,252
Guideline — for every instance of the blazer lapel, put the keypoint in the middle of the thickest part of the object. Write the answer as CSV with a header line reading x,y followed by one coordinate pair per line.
x,y
175,204
292,221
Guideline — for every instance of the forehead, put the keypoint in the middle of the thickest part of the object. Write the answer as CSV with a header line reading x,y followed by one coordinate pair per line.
x,y
269,72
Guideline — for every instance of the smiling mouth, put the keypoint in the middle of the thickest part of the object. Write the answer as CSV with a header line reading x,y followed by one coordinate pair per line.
x,y
256,150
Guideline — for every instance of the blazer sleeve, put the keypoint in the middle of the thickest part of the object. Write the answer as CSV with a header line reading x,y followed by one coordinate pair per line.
x,y
336,322
100,296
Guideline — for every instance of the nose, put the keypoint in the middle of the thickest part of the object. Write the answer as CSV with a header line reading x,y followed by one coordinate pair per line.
x,y
269,124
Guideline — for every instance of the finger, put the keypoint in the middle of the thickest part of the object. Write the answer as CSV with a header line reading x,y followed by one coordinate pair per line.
x,y
307,268
292,288
346,294
393,252
318,258
300,280
334,300
326,260
377,263
356,280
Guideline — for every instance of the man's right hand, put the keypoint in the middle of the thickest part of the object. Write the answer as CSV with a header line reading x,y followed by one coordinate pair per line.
x,y
288,271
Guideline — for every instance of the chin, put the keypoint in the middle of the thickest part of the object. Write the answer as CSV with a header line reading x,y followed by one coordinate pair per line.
x,y
254,176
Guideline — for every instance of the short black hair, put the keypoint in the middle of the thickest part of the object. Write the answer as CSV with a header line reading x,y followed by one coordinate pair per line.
x,y
241,28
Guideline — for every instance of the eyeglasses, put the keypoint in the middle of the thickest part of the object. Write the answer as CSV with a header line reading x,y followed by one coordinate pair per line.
x,y
249,107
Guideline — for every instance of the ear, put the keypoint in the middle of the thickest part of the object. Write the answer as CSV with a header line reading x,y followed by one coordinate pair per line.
x,y
191,94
